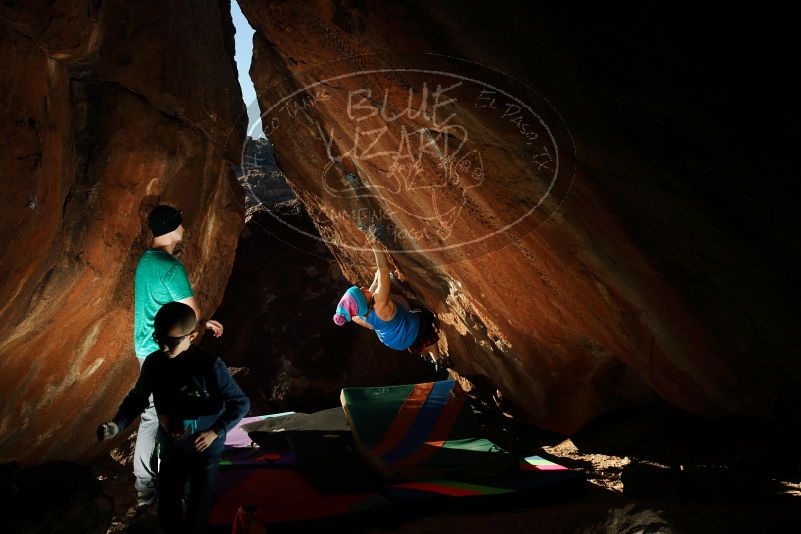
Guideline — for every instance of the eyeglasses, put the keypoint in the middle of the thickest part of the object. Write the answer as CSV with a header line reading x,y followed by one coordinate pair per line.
x,y
170,342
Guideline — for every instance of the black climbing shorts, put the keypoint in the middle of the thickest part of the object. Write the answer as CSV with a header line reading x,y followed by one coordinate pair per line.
x,y
428,332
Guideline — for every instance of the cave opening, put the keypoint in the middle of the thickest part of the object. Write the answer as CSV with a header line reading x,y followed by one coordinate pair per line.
x,y
282,282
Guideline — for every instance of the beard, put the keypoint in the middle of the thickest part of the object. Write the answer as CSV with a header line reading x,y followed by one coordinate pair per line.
x,y
179,248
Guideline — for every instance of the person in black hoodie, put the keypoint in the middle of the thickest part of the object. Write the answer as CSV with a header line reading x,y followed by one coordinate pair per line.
x,y
197,402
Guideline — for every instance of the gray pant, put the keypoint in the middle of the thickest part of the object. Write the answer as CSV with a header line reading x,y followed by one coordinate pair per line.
x,y
145,461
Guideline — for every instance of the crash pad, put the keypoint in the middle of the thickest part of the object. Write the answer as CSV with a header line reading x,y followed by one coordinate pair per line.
x,y
421,431
327,476
272,431
241,450
534,474
331,462
281,495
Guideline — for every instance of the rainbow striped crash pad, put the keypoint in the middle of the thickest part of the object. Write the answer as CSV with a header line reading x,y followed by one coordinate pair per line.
x,y
534,474
421,431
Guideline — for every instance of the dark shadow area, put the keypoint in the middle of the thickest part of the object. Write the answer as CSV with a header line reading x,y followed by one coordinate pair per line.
x,y
53,497
685,456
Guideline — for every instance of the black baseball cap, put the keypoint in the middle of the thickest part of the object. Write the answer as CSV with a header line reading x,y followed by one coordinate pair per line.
x,y
164,219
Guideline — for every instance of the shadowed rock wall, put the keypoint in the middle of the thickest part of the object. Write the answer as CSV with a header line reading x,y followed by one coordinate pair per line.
x,y
667,266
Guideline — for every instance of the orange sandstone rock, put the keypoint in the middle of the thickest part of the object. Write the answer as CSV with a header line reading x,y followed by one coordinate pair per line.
x,y
107,111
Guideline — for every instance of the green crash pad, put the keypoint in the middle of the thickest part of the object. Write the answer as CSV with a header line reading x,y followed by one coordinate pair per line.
x,y
421,431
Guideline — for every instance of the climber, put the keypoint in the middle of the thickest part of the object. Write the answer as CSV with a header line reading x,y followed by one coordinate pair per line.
x,y
197,402
389,315
160,278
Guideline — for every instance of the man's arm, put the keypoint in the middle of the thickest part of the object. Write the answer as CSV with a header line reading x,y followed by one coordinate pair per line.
x,y
192,303
214,326
177,282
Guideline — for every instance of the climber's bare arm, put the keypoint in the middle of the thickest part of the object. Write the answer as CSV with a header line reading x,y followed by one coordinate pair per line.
x,y
359,321
399,299
381,294
383,304
374,285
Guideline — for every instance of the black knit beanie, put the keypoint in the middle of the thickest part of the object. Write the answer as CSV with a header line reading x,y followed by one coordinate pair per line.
x,y
163,220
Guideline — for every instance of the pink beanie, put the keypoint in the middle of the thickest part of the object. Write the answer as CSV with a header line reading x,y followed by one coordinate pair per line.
x,y
351,304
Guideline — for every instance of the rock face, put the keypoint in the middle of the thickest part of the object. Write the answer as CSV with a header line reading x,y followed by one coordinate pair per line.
x,y
644,270
106,112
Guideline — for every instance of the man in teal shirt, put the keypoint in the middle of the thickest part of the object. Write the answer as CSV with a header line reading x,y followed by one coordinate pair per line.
x,y
160,278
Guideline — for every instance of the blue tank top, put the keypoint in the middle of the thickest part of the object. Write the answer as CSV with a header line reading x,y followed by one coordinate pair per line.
x,y
398,333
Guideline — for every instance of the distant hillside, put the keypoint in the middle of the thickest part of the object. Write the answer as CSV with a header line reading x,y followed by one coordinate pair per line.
x,y
259,175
